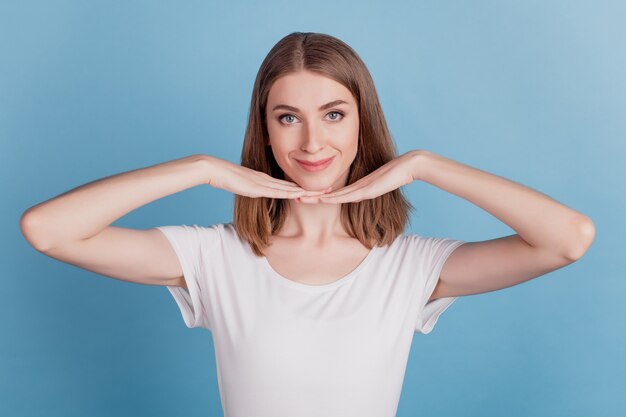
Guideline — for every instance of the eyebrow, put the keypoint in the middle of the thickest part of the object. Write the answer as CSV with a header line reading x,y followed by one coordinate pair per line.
x,y
323,107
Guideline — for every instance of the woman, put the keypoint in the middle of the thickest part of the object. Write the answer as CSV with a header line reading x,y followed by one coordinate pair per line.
x,y
313,293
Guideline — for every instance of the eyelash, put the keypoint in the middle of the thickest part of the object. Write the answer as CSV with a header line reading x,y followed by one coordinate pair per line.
x,y
280,118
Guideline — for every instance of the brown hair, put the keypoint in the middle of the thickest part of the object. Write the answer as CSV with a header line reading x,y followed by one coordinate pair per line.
x,y
373,221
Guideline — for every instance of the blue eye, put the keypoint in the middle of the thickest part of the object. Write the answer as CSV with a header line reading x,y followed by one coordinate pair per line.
x,y
336,112
280,118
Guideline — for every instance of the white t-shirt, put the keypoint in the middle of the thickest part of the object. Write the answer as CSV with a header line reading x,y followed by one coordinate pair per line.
x,y
287,349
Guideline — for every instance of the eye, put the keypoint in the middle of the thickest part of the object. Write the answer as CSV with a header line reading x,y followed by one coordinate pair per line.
x,y
280,118
336,112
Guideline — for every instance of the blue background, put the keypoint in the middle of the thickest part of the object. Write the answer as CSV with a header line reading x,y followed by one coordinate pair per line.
x,y
533,91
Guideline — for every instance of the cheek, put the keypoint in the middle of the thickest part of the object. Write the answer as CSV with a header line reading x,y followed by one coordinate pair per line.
x,y
350,139
274,132
351,132
281,154
278,145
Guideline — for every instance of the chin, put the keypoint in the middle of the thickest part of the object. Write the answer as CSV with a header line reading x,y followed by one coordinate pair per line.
x,y
314,183
316,187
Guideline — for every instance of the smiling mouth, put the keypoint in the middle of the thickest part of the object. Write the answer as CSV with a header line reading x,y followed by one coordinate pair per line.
x,y
316,163
316,166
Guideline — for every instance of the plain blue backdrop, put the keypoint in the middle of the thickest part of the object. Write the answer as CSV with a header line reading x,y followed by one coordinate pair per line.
x,y
533,91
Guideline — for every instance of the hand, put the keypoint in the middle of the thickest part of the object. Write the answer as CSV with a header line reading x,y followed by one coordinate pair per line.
x,y
251,183
394,174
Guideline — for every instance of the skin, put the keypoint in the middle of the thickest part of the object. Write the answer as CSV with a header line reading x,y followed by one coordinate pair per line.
x,y
312,135
74,226
549,234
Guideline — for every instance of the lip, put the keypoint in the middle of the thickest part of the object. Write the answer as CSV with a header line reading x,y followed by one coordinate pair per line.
x,y
317,166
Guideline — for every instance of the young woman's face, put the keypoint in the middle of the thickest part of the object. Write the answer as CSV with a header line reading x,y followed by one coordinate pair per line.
x,y
306,122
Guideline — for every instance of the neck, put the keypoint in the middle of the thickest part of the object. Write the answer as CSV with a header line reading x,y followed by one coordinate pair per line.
x,y
313,222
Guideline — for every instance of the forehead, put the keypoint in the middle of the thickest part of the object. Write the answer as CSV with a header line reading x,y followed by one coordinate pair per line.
x,y
305,89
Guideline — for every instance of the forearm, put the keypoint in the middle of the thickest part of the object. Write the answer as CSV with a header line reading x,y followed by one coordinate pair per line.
x,y
540,220
88,209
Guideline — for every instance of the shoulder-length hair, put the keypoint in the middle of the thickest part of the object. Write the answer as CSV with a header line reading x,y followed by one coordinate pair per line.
x,y
373,221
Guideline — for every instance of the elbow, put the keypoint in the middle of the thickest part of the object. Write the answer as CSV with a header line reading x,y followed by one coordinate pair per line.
x,y
585,236
29,227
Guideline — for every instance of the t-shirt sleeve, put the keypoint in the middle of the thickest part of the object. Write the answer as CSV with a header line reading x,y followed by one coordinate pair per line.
x,y
433,253
193,246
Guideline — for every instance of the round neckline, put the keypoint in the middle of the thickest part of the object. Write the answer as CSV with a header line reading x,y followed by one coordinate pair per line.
x,y
319,287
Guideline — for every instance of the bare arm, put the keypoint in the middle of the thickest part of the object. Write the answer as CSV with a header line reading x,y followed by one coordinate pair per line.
x,y
74,227
85,211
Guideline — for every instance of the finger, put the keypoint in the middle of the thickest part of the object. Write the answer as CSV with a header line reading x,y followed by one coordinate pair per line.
x,y
269,179
309,199
352,187
346,190
342,200
347,198
292,190
283,182
291,185
276,193
340,191
280,184
323,199
276,184
354,195
282,194
365,192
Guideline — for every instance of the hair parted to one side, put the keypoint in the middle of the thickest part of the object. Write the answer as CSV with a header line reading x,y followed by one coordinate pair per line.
x,y
376,221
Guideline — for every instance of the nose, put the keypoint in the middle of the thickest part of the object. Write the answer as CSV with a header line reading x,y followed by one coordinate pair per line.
x,y
312,140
